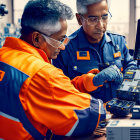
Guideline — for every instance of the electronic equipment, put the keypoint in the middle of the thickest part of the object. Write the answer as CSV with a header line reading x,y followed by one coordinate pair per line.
x,y
122,129
130,88
135,112
119,108
3,10
128,94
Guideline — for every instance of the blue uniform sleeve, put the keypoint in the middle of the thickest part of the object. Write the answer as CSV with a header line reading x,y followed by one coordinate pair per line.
x,y
128,63
88,119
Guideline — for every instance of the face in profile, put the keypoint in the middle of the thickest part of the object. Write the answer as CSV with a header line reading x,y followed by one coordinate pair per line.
x,y
53,44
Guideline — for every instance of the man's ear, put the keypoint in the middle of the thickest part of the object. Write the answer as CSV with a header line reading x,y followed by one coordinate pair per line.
x,y
79,19
35,39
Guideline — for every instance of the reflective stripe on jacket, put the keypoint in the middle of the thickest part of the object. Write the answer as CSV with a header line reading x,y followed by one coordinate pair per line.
x,y
11,109
80,56
47,96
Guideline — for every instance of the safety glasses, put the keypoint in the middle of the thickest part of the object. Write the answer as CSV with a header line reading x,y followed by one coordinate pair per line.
x,y
93,20
55,43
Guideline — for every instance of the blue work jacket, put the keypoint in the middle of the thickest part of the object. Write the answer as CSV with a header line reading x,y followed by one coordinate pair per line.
x,y
11,81
80,56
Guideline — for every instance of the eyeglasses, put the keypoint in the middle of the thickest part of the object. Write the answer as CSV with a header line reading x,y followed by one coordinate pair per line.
x,y
53,42
93,20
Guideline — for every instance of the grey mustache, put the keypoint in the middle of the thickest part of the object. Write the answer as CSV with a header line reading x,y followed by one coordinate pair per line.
x,y
100,31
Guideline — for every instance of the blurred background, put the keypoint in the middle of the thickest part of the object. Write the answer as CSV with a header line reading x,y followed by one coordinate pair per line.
x,y
125,14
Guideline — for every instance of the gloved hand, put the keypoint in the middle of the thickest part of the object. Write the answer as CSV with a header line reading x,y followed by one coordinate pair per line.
x,y
112,73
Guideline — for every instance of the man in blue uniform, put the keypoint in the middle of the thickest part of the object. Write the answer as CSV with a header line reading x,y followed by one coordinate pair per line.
x,y
92,48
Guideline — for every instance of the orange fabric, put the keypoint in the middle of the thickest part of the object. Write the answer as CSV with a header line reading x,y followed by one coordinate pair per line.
x,y
55,103
105,105
2,73
44,98
121,69
65,42
95,71
44,56
84,83
12,126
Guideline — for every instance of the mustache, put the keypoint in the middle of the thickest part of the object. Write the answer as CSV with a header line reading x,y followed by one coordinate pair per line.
x,y
99,31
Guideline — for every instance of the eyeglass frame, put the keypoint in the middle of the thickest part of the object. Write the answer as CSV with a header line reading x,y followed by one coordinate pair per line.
x,y
97,18
47,38
50,38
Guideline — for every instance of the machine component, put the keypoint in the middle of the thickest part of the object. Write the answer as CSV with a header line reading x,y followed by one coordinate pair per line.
x,y
3,10
119,108
123,130
130,88
135,112
128,94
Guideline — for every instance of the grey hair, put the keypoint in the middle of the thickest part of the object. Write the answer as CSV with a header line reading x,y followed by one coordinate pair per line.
x,y
82,5
45,15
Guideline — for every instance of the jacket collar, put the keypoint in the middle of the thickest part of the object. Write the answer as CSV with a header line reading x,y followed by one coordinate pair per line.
x,y
82,39
18,44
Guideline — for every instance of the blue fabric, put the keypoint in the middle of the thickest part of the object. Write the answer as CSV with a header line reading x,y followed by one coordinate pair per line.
x,y
9,97
51,136
110,44
88,124
112,73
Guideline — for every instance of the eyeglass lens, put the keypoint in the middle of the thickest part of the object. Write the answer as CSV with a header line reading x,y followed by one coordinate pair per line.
x,y
95,19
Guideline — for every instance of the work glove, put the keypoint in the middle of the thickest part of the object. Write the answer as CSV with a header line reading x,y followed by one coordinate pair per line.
x,y
112,73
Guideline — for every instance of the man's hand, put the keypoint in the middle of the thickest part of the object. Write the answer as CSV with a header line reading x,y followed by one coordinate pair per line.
x,y
112,73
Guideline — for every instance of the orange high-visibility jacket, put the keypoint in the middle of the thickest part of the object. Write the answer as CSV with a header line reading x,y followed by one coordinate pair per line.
x,y
49,99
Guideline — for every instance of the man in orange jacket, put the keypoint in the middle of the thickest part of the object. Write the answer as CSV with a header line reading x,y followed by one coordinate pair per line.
x,y
37,100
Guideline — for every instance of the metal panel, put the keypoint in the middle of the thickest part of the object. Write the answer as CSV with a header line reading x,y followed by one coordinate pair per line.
x,y
132,23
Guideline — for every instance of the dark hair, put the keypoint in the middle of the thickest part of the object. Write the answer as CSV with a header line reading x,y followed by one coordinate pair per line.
x,y
38,13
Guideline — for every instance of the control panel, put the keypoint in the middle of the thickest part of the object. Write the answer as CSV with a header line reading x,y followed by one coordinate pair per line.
x,y
130,88
128,94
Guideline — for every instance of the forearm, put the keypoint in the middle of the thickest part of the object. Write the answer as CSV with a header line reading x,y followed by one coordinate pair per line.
x,y
84,83
76,113
128,61
131,64
88,119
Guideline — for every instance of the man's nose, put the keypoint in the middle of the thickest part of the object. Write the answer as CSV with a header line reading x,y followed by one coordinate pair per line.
x,y
62,47
100,23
